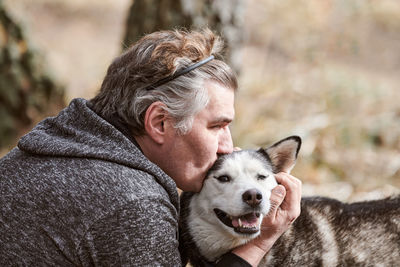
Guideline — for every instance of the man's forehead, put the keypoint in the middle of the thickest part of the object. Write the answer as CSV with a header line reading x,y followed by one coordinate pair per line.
x,y
222,99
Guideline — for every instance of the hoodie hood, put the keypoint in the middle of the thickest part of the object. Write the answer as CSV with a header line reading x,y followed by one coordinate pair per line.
x,y
77,131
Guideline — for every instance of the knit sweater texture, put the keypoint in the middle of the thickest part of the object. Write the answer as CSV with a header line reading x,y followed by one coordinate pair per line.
x,y
78,192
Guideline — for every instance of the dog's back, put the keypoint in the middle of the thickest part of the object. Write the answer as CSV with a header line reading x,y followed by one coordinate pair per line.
x,y
331,233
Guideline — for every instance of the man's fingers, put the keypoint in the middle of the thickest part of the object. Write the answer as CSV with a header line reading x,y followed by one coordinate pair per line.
x,y
292,186
291,204
286,179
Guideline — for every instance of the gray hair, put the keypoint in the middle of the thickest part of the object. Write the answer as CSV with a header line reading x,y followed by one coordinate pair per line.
x,y
155,56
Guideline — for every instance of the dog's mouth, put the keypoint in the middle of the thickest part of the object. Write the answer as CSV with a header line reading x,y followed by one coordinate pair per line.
x,y
244,224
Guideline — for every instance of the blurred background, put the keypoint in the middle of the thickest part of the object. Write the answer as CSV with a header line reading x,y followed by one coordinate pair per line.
x,y
326,70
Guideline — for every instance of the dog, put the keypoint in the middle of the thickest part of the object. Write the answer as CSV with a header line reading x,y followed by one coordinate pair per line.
x,y
228,211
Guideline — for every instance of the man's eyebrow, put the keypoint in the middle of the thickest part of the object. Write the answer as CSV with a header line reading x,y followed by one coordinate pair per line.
x,y
222,119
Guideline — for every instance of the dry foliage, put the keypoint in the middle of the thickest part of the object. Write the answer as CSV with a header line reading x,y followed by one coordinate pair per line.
x,y
327,71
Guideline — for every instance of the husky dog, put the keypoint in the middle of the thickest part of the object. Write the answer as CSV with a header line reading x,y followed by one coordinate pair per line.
x,y
235,197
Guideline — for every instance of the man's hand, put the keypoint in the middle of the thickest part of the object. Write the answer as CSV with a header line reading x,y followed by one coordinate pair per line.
x,y
285,208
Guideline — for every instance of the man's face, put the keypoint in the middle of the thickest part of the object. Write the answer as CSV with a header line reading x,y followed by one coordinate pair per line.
x,y
192,154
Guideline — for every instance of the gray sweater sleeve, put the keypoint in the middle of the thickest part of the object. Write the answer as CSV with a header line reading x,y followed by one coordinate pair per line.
x,y
141,234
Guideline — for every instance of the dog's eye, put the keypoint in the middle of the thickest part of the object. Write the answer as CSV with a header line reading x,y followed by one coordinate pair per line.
x,y
262,177
223,178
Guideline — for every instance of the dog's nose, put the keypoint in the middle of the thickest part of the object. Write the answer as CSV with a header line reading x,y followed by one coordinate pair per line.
x,y
252,197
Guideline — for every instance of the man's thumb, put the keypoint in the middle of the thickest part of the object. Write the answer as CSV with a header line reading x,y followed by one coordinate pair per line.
x,y
277,196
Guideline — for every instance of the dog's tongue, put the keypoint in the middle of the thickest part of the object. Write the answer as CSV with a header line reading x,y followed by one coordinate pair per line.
x,y
249,220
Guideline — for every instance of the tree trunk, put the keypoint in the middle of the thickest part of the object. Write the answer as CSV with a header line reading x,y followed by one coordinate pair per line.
x,y
222,16
26,91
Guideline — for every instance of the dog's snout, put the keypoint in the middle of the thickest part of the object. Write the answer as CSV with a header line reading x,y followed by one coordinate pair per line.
x,y
252,197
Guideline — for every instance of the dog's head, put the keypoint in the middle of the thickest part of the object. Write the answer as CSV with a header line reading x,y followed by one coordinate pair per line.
x,y
235,194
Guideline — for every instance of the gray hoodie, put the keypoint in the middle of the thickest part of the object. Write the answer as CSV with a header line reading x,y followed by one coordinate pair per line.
x,y
76,191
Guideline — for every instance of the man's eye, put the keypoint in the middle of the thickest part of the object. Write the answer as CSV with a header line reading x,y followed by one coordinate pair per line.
x,y
262,177
217,127
223,178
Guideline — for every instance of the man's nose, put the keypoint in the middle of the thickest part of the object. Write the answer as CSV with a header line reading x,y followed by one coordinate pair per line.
x,y
225,144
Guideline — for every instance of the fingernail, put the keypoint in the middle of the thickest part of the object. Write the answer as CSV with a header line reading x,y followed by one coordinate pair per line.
x,y
279,191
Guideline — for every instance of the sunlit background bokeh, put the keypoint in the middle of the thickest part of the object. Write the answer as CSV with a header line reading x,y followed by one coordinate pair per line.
x,y
327,70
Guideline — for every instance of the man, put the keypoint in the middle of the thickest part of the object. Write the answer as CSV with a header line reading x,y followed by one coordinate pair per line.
x,y
96,185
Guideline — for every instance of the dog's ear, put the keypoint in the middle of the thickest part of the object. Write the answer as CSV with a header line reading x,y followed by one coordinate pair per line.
x,y
283,154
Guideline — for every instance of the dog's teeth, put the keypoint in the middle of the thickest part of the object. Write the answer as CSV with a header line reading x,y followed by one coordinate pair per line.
x,y
240,222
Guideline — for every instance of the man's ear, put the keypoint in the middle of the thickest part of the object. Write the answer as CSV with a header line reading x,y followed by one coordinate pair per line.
x,y
283,154
154,121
